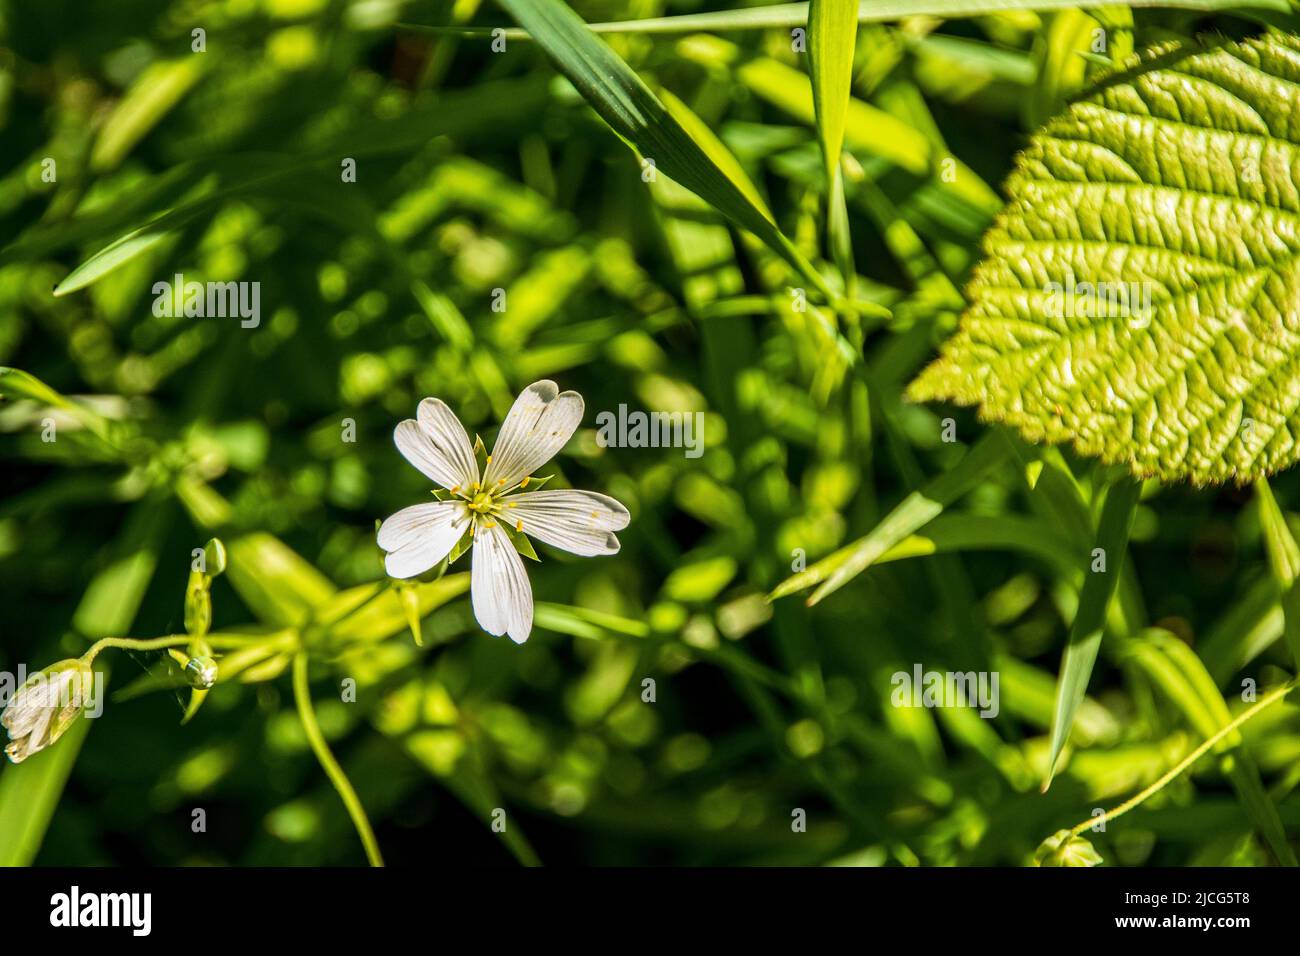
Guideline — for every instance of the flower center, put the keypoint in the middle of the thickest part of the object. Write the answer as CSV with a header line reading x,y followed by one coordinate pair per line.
x,y
481,502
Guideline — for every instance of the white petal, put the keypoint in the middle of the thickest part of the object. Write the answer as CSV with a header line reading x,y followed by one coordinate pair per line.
x,y
499,588
540,422
20,716
438,445
38,737
582,522
420,536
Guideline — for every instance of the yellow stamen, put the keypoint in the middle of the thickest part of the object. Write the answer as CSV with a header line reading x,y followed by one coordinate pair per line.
x,y
524,483
489,459
519,525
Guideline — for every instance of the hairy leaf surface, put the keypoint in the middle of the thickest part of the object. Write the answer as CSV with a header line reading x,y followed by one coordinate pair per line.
x,y
1140,297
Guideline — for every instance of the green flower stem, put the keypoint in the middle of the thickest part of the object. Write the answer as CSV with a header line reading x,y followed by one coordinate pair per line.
x,y
302,697
158,644
1174,771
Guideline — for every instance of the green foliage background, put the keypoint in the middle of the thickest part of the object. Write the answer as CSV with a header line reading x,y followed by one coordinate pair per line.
x,y
480,170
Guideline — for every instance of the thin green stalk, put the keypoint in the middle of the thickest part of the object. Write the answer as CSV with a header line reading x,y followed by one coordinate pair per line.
x,y
1174,771
302,697
158,643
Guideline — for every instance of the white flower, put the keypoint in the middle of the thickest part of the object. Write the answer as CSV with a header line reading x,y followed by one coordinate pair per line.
x,y
538,425
46,706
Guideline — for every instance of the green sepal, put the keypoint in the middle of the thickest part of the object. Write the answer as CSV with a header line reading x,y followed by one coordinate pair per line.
x,y
461,546
523,544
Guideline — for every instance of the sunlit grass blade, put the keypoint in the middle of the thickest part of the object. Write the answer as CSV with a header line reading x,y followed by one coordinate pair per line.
x,y
1284,559
157,89
975,532
832,36
30,791
276,583
1086,631
624,102
716,150
911,514
17,384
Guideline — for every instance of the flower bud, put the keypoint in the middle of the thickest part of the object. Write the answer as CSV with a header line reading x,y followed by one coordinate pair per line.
x,y
45,706
1064,849
201,672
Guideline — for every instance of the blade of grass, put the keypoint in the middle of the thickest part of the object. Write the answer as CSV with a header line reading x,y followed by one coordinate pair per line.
x,y
276,583
29,794
633,112
151,96
832,35
974,532
909,516
17,384
1090,618
1284,560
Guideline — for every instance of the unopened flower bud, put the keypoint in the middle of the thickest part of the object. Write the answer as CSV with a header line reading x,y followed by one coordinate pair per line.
x,y
1063,848
45,706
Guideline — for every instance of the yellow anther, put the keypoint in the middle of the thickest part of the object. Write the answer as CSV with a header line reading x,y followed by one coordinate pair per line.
x,y
524,483
489,524
455,490
519,525
489,459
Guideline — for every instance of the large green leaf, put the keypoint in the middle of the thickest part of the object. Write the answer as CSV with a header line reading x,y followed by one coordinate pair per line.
x,y
1139,296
